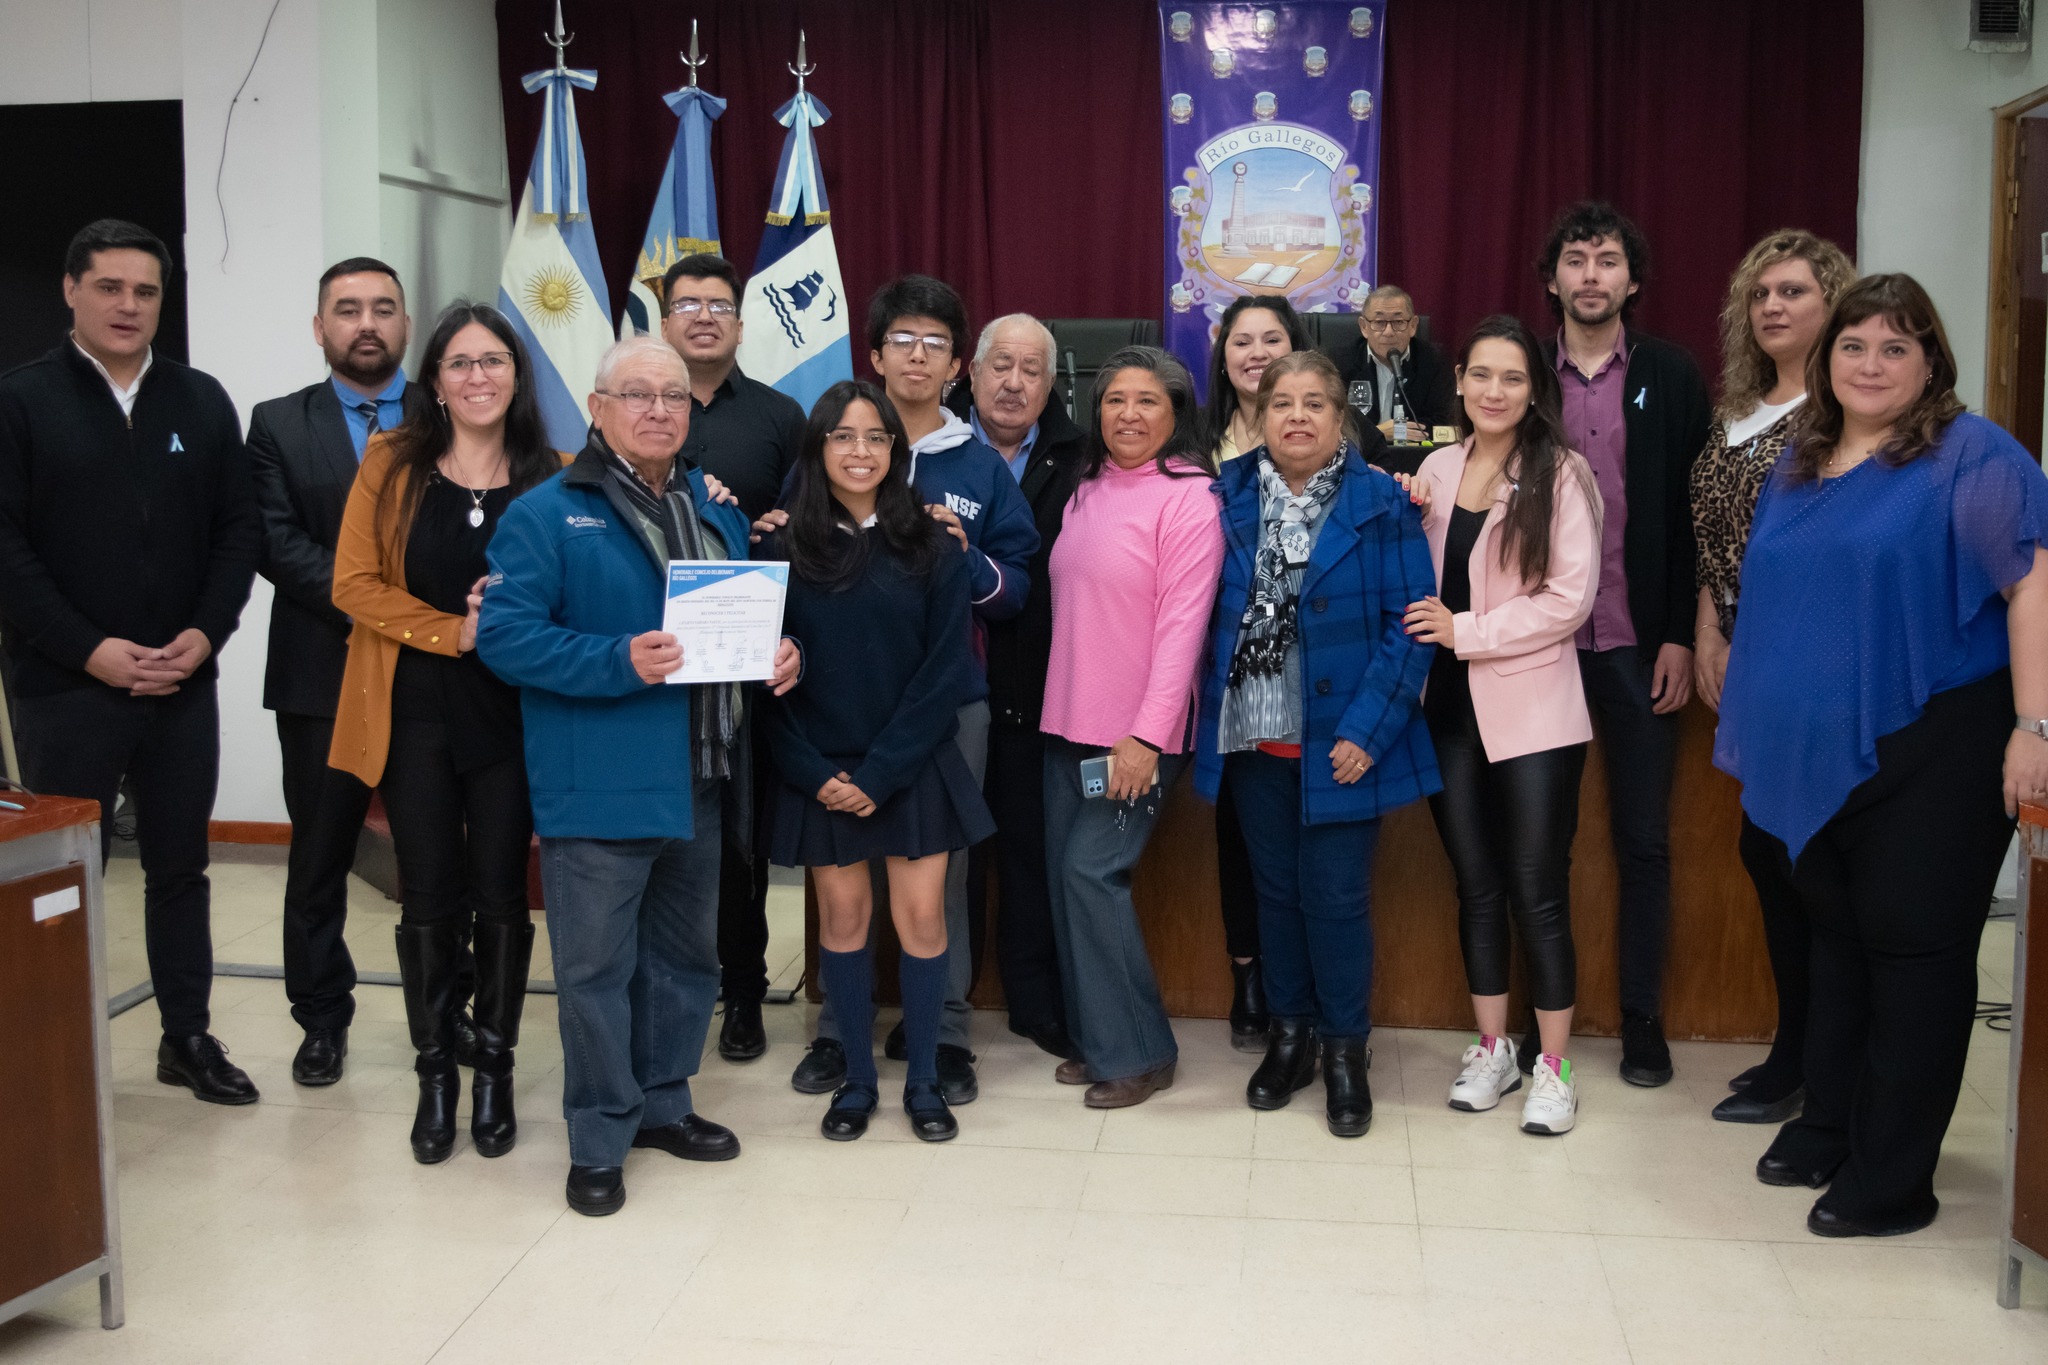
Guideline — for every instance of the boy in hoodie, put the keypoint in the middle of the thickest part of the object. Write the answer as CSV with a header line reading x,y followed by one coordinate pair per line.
x,y
917,340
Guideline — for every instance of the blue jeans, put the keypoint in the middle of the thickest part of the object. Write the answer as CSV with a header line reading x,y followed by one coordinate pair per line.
x,y
1114,1011
634,928
1315,898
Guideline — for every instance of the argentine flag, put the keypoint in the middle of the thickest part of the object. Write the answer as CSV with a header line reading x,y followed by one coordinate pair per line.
x,y
552,288
798,341
685,217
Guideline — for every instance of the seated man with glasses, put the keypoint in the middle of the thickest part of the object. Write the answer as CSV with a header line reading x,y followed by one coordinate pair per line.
x,y
1389,363
917,338
745,435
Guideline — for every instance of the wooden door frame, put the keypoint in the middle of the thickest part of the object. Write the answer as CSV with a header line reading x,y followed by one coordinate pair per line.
x,y
2002,328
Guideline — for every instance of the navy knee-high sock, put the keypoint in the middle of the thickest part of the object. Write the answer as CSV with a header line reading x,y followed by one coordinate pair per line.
x,y
924,998
849,980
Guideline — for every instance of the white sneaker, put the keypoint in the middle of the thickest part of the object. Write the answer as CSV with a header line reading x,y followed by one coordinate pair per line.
x,y
1553,1103
1486,1077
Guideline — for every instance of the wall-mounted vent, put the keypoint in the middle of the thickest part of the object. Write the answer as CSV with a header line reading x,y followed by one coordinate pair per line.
x,y
2001,25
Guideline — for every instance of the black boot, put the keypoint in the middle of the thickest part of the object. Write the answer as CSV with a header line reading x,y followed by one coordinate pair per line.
x,y
1344,1080
1290,1064
426,971
1248,1017
503,953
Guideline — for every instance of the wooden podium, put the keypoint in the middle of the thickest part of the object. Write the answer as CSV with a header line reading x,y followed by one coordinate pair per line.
x,y
2026,1105
58,1205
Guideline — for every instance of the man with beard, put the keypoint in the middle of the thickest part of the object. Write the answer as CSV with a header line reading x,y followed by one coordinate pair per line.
x,y
303,452
1637,409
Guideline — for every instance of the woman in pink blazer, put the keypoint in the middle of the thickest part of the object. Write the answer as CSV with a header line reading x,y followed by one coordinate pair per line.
x,y
1513,520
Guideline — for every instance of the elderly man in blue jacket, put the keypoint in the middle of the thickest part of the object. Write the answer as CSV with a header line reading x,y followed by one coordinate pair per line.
x,y
627,774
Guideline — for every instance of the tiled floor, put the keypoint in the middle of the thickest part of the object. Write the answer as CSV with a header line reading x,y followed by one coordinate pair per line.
x,y
1187,1230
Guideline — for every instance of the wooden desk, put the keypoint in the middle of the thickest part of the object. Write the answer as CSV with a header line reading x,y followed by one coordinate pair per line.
x,y
1717,986
2026,1105
58,1206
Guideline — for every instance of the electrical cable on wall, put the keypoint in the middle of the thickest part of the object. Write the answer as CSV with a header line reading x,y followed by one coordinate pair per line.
x,y
220,168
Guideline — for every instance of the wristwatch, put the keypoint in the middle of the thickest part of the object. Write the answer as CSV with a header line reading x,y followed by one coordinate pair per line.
x,y
2036,728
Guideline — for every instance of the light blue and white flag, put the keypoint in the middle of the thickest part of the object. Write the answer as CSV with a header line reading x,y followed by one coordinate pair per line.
x,y
685,217
799,341
552,288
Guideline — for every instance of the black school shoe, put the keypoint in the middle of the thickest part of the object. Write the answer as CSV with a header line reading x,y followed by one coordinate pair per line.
x,y
1645,1056
847,1117
318,1060
692,1138
201,1065
741,1037
595,1191
1823,1221
822,1070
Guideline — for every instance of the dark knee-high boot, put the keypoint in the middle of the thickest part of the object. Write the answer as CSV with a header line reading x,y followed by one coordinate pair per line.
x,y
503,954
427,968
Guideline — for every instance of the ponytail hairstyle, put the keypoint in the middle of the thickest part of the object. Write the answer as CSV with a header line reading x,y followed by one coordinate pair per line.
x,y
825,546
1540,447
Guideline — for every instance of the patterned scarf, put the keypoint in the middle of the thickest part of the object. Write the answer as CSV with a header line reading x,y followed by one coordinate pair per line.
x,y
1268,627
714,708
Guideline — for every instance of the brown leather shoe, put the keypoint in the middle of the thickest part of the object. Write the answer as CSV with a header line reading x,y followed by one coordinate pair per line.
x,y
1128,1091
1072,1071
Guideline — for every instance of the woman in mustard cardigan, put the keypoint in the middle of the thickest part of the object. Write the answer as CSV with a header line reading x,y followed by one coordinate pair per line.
x,y
425,721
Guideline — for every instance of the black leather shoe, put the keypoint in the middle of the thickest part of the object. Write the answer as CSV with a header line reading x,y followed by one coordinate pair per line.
x,y
504,952
1645,1057
1053,1039
1741,1080
318,1060
597,1190
1349,1095
896,1047
691,1138
822,1070
1249,1017
200,1063
847,1118
1775,1170
1740,1108
741,1038
956,1074
1290,1064
433,1122
930,1119
1531,1049
1823,1221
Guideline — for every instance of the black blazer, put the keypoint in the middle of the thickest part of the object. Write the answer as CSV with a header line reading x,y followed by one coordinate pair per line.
x,y
303,464
1425,378
1665,415
1020,649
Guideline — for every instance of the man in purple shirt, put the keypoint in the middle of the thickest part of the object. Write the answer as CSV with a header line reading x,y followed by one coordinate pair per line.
x,y
1637,409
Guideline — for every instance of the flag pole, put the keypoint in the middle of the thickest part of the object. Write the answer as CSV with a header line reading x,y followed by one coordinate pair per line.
x,y
802,67
691,59
559,40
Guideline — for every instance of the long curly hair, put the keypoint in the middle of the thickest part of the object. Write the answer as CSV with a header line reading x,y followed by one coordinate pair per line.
x,y
1900,301
1747,374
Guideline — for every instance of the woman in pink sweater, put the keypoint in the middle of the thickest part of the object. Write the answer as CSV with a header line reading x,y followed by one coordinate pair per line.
x,y
1133,577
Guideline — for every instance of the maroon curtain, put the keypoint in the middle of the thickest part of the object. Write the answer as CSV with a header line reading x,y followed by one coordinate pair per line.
x,y
1014,149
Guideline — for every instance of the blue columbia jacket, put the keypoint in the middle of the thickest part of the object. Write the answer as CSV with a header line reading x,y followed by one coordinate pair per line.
x,y
573,580
1361,674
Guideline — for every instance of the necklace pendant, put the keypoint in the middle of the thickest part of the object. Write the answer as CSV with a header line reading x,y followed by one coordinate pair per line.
x,y
476,516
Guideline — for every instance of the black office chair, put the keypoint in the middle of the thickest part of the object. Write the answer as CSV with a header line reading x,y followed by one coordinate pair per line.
x,y
1333,333
1080,345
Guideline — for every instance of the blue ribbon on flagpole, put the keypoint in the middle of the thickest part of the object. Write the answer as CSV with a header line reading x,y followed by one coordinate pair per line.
x,y
558,174
799,184
693,195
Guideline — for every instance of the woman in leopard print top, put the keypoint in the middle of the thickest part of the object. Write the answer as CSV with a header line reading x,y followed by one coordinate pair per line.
x,y
1777,306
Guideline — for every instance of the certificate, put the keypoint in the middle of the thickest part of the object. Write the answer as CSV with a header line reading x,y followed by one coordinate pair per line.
x,y
727,615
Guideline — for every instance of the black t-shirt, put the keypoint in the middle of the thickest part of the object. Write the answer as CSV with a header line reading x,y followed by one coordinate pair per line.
x,y
748,439
444,555
1450,687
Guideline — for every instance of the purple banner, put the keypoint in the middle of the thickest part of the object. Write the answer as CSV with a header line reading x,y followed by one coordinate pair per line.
x,y
1272,153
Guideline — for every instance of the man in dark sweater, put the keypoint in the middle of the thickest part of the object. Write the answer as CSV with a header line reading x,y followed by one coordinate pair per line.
x,y
1637,409
128,539
303,452
1012,409
744,434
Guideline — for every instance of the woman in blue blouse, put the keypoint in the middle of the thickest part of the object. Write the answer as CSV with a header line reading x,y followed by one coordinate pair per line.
x,y
1894,619
1309,708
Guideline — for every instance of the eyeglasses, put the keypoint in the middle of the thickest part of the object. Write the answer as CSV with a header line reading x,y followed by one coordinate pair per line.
x,y
689,308
494,363
903,342
1387,324
873,442
638,401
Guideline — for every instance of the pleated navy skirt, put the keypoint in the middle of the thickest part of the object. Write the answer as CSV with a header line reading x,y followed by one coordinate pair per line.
x,y
941,811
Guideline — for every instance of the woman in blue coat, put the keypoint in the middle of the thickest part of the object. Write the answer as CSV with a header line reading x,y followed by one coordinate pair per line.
x,y
1309,701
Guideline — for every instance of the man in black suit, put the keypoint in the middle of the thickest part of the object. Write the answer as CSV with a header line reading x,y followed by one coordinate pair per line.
x,y
303,450
1389,363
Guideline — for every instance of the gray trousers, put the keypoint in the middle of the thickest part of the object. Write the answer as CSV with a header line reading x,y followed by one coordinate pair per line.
x,y
1114,1011
954,1023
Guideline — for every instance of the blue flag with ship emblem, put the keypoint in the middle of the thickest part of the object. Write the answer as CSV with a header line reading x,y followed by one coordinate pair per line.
x,y
799,341
685,217
552,289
